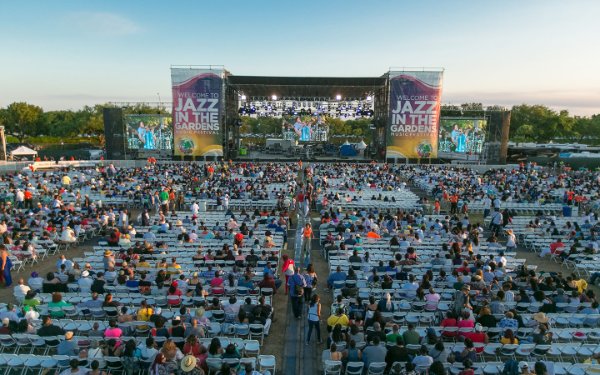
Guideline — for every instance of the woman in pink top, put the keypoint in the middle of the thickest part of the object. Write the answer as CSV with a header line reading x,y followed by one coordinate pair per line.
x,y
465,321
113,331
432,299
216,284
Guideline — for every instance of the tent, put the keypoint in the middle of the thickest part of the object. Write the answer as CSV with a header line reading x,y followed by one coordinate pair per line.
x,y
361,145
22,151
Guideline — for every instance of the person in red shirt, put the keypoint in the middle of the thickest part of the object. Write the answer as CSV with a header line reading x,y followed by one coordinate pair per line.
x,y
174,295
449,321
556,247
28,195
477,336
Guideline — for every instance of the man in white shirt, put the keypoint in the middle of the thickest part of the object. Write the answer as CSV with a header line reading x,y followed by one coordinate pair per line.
x,y
487,206
20,198
68,235
85,282
195,208
21,290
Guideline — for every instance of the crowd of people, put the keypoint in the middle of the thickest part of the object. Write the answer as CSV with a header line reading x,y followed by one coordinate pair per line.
x,y
159,309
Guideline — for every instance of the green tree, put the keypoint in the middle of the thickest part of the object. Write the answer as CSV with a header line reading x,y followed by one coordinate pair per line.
x,y
22,120
546,122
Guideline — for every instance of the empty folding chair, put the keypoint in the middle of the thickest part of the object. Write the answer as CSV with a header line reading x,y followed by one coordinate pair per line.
x,y
257,331
267,362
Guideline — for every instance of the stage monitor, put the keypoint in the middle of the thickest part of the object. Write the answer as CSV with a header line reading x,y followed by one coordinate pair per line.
x,y
149,132
460,135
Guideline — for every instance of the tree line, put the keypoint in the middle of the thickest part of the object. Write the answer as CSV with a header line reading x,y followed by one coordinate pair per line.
x,y
529,123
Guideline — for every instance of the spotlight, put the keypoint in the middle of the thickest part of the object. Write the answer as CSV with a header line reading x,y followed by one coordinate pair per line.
x,y
369,98
243,97
274,97
338,97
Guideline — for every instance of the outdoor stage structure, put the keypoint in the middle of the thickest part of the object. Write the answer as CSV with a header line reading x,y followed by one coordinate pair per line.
x,y
408,123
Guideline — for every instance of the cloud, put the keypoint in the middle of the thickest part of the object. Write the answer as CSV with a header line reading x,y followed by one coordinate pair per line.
x,y
103,23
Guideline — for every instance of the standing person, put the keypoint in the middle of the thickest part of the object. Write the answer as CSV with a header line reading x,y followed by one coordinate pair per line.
x,y
314,318
296,286
461,300
310,276
164,200
287,269
5,267
307,237
496,222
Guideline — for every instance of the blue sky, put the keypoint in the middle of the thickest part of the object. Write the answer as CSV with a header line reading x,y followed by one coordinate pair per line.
x,y
66,54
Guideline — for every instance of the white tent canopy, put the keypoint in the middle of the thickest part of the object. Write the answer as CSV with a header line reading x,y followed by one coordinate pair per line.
x,y
361,145
23,151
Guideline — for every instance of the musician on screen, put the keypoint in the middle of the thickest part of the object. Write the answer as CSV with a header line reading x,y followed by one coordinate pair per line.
x,y
461,141
298,125
141,133
149,139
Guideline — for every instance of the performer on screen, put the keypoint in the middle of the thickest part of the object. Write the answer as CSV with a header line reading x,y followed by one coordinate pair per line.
x,y
306,132
141,133
149,139
461,142
298,127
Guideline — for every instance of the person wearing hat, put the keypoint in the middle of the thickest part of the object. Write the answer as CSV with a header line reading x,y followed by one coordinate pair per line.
x,y
461,300
85,282
67,346
537,319
109,259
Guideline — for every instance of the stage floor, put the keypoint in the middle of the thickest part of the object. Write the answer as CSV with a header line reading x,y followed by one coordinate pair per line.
x,y
262,156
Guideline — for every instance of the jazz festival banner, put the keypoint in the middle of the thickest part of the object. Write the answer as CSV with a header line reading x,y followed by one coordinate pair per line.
x,y
414,114
197,108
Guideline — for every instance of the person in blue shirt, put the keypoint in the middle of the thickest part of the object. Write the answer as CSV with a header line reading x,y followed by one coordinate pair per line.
x,y
338,275
297,284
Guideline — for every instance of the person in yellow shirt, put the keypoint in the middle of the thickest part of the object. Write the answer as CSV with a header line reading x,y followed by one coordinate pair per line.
x,y
145,312
66,180
509,338
339,318
174,268
580,284
143,263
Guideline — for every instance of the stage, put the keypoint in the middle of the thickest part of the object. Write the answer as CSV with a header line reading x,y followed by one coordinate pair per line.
x,y
286,157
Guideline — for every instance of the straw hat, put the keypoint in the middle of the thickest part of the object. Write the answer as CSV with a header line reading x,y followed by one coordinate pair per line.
x,y
108,253
540,317
188,363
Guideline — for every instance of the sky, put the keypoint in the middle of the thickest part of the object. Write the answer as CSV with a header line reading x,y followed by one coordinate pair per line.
x,y
67,54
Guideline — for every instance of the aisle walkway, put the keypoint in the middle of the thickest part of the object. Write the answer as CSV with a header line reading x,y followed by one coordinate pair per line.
x,y
298,357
